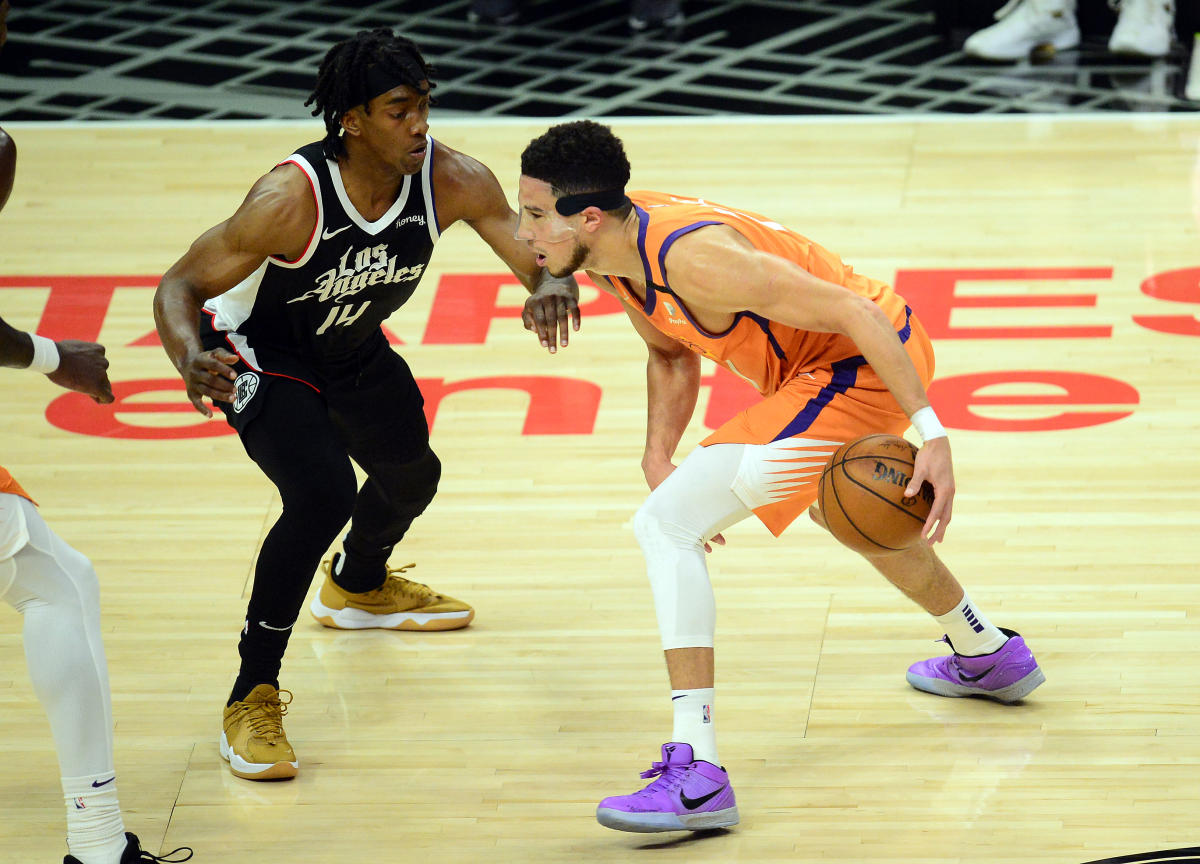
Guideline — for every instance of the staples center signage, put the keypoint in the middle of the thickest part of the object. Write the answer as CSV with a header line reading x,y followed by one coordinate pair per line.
x,y
465,306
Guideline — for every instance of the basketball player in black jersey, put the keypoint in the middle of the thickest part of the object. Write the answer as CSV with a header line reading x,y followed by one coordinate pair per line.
x,y
275,315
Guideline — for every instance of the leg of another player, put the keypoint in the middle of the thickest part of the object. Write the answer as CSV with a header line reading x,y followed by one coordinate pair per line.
x,y
55,588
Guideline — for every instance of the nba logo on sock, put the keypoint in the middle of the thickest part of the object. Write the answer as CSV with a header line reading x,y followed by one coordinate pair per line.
x,y
79,805
971,619
707,714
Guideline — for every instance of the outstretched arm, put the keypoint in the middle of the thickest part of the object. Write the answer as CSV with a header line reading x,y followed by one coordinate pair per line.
x,y
74,365
71,364
276,218
469,191
718,269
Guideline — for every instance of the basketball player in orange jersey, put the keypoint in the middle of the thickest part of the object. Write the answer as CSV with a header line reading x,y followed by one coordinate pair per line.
x,y
56,591
835,355
276,314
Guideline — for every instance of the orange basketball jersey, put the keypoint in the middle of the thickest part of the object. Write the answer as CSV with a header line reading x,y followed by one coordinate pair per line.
x,y
10,485
765,353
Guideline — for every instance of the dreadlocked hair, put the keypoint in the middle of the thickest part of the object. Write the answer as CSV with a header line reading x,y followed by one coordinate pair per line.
x,y
343,80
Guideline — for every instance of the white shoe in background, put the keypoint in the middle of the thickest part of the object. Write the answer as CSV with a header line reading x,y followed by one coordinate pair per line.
x,y
1144,27
1024,25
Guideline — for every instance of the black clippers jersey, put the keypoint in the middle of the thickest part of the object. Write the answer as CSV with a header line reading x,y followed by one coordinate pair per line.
x,y
352,275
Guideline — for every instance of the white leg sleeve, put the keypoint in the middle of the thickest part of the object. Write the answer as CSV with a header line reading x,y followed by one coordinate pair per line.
x,y
56,590
688,508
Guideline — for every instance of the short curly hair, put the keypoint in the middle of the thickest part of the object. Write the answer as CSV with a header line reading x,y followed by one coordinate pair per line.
x,y
343,81
581,156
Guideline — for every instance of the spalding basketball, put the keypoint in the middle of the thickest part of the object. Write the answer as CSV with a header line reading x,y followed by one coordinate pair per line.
x,y
861,495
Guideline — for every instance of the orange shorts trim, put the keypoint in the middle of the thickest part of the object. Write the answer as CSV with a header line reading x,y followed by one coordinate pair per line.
x,y
9,484
796,429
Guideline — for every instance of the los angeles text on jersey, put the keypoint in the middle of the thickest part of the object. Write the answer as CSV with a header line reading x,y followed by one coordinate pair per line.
x,y
370,266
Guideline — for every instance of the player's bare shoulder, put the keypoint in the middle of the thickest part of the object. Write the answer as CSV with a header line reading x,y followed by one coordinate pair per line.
x,y
464,188
700,261
279,212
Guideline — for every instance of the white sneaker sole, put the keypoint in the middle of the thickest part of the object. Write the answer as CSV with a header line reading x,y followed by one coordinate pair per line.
x,y
1134,48
254,770
1014,692
357,619
1060,42
652,823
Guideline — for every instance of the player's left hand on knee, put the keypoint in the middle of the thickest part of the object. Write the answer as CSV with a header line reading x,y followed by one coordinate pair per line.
x,y
552,312
934,466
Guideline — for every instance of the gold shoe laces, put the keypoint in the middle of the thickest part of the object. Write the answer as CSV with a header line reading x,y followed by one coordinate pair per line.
x,y
265,719
397,584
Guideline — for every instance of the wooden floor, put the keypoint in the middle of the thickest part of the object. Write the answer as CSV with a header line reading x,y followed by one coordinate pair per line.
x,y
494,744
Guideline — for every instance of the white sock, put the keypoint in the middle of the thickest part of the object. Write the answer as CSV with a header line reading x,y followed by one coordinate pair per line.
x,y
970,632
95,830
693,722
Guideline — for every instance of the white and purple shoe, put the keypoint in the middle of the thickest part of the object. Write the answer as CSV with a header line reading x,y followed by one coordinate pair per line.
x,y
689,794
1008,674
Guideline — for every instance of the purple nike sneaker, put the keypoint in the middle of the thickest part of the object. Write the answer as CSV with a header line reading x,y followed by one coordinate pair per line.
x,y
1006,675
689,795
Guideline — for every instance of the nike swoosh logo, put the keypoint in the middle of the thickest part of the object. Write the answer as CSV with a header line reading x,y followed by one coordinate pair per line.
x,y
105,783
326,234
974,678
693,803
266,626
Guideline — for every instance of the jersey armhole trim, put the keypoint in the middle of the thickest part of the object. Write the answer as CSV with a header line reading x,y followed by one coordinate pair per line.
x,y
314,187
435,228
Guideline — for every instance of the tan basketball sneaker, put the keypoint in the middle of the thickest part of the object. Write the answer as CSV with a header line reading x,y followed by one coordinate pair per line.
x,y
398,604
253,741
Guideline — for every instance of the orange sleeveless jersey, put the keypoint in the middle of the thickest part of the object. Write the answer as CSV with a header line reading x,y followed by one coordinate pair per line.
x,y
10,485
765,353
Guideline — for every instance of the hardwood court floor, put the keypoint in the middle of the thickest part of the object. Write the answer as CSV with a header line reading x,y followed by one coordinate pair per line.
x,y
494,744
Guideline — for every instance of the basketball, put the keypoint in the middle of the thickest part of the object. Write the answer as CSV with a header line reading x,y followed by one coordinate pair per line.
x,y
861,495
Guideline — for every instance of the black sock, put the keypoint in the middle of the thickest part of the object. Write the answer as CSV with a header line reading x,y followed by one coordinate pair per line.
x,y
359,573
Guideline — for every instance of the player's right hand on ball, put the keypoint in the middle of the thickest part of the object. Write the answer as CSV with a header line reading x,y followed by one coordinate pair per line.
x,y
211,374
933,465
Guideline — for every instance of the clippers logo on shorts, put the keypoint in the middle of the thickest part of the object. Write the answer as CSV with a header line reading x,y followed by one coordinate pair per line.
x,y
244,388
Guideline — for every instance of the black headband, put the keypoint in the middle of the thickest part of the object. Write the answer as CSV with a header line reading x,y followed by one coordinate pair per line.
x,y
605,199
381,80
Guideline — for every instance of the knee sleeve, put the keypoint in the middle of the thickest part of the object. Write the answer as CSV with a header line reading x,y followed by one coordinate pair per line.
x,y
683,595
55,589
689,507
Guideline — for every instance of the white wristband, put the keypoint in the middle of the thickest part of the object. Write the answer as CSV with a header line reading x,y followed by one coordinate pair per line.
x,y
927,424
45,355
